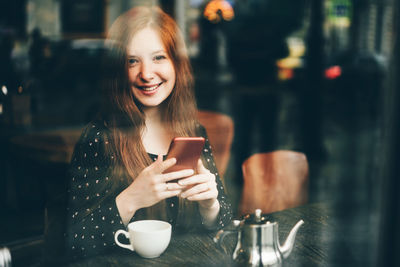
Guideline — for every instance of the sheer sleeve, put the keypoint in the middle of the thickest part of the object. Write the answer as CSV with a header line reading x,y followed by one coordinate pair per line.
x,y
225,214
92,215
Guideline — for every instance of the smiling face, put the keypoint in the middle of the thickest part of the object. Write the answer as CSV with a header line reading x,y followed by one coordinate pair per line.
x,y
150,70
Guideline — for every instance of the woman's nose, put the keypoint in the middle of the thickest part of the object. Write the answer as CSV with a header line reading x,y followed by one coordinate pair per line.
x,y
146,72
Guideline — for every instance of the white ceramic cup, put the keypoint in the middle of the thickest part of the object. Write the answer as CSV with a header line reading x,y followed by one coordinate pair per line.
x,y
149,238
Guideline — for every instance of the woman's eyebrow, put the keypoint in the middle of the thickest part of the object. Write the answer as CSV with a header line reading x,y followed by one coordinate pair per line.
x,y
155,52
158,51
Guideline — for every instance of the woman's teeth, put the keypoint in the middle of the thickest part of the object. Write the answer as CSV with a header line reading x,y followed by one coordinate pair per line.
x,y
150,88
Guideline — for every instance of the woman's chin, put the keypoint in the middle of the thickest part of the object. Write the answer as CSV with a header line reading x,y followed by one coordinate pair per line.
x,y
147,103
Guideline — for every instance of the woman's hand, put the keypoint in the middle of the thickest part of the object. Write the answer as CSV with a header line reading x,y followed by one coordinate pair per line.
x,y
150,187
201,187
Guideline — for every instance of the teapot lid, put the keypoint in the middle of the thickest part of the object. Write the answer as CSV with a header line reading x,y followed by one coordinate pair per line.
x,y
255,218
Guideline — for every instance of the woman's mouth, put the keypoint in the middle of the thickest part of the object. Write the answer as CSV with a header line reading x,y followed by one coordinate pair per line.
x,y
149,88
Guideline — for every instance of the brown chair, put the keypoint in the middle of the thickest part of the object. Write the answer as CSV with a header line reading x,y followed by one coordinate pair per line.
x,y
220,130
274,181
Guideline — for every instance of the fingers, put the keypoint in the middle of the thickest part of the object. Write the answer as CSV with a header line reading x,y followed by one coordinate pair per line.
x,y
204,185
168,194
202,196
163,186
166,177
200,167
197,179
201,191
160,166
166,190
174,186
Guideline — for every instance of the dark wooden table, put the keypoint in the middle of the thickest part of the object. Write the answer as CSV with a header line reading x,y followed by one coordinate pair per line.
x,y
323,240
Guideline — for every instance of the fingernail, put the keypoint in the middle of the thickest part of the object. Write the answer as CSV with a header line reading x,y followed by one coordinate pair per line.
x,y
183,195
181,182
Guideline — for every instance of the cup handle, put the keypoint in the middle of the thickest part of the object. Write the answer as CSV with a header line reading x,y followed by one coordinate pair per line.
x,y
126,234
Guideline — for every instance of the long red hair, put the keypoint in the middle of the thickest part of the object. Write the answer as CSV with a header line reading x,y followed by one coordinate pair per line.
x,y
122,114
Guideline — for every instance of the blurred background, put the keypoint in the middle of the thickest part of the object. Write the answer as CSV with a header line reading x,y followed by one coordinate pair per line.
x,y
316,76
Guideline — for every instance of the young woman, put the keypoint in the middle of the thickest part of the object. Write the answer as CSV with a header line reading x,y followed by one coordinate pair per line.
x,y
117,170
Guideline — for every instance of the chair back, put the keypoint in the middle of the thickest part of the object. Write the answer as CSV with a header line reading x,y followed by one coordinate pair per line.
x,y
220,130
274,181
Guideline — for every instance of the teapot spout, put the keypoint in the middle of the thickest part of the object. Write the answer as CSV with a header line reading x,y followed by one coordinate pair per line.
x,y
287,247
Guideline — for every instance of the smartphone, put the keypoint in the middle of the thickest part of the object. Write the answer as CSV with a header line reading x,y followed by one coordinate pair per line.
x,y
187,151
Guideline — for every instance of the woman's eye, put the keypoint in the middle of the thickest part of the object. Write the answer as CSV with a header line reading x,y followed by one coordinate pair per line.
x,y
160,57
132,61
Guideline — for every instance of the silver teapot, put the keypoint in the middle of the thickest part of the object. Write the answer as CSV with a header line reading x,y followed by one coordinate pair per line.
x,y
258,241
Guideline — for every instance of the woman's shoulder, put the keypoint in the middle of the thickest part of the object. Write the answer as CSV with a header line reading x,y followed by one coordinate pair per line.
x,y
91,149
94,132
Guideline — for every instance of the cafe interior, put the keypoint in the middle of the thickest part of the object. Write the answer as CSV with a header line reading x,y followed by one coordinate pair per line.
x,y
300,101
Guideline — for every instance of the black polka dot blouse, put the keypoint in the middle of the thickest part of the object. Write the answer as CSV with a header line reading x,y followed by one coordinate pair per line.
x,y
93,217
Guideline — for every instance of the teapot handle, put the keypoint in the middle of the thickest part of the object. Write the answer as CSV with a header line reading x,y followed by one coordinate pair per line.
x,y
219,237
